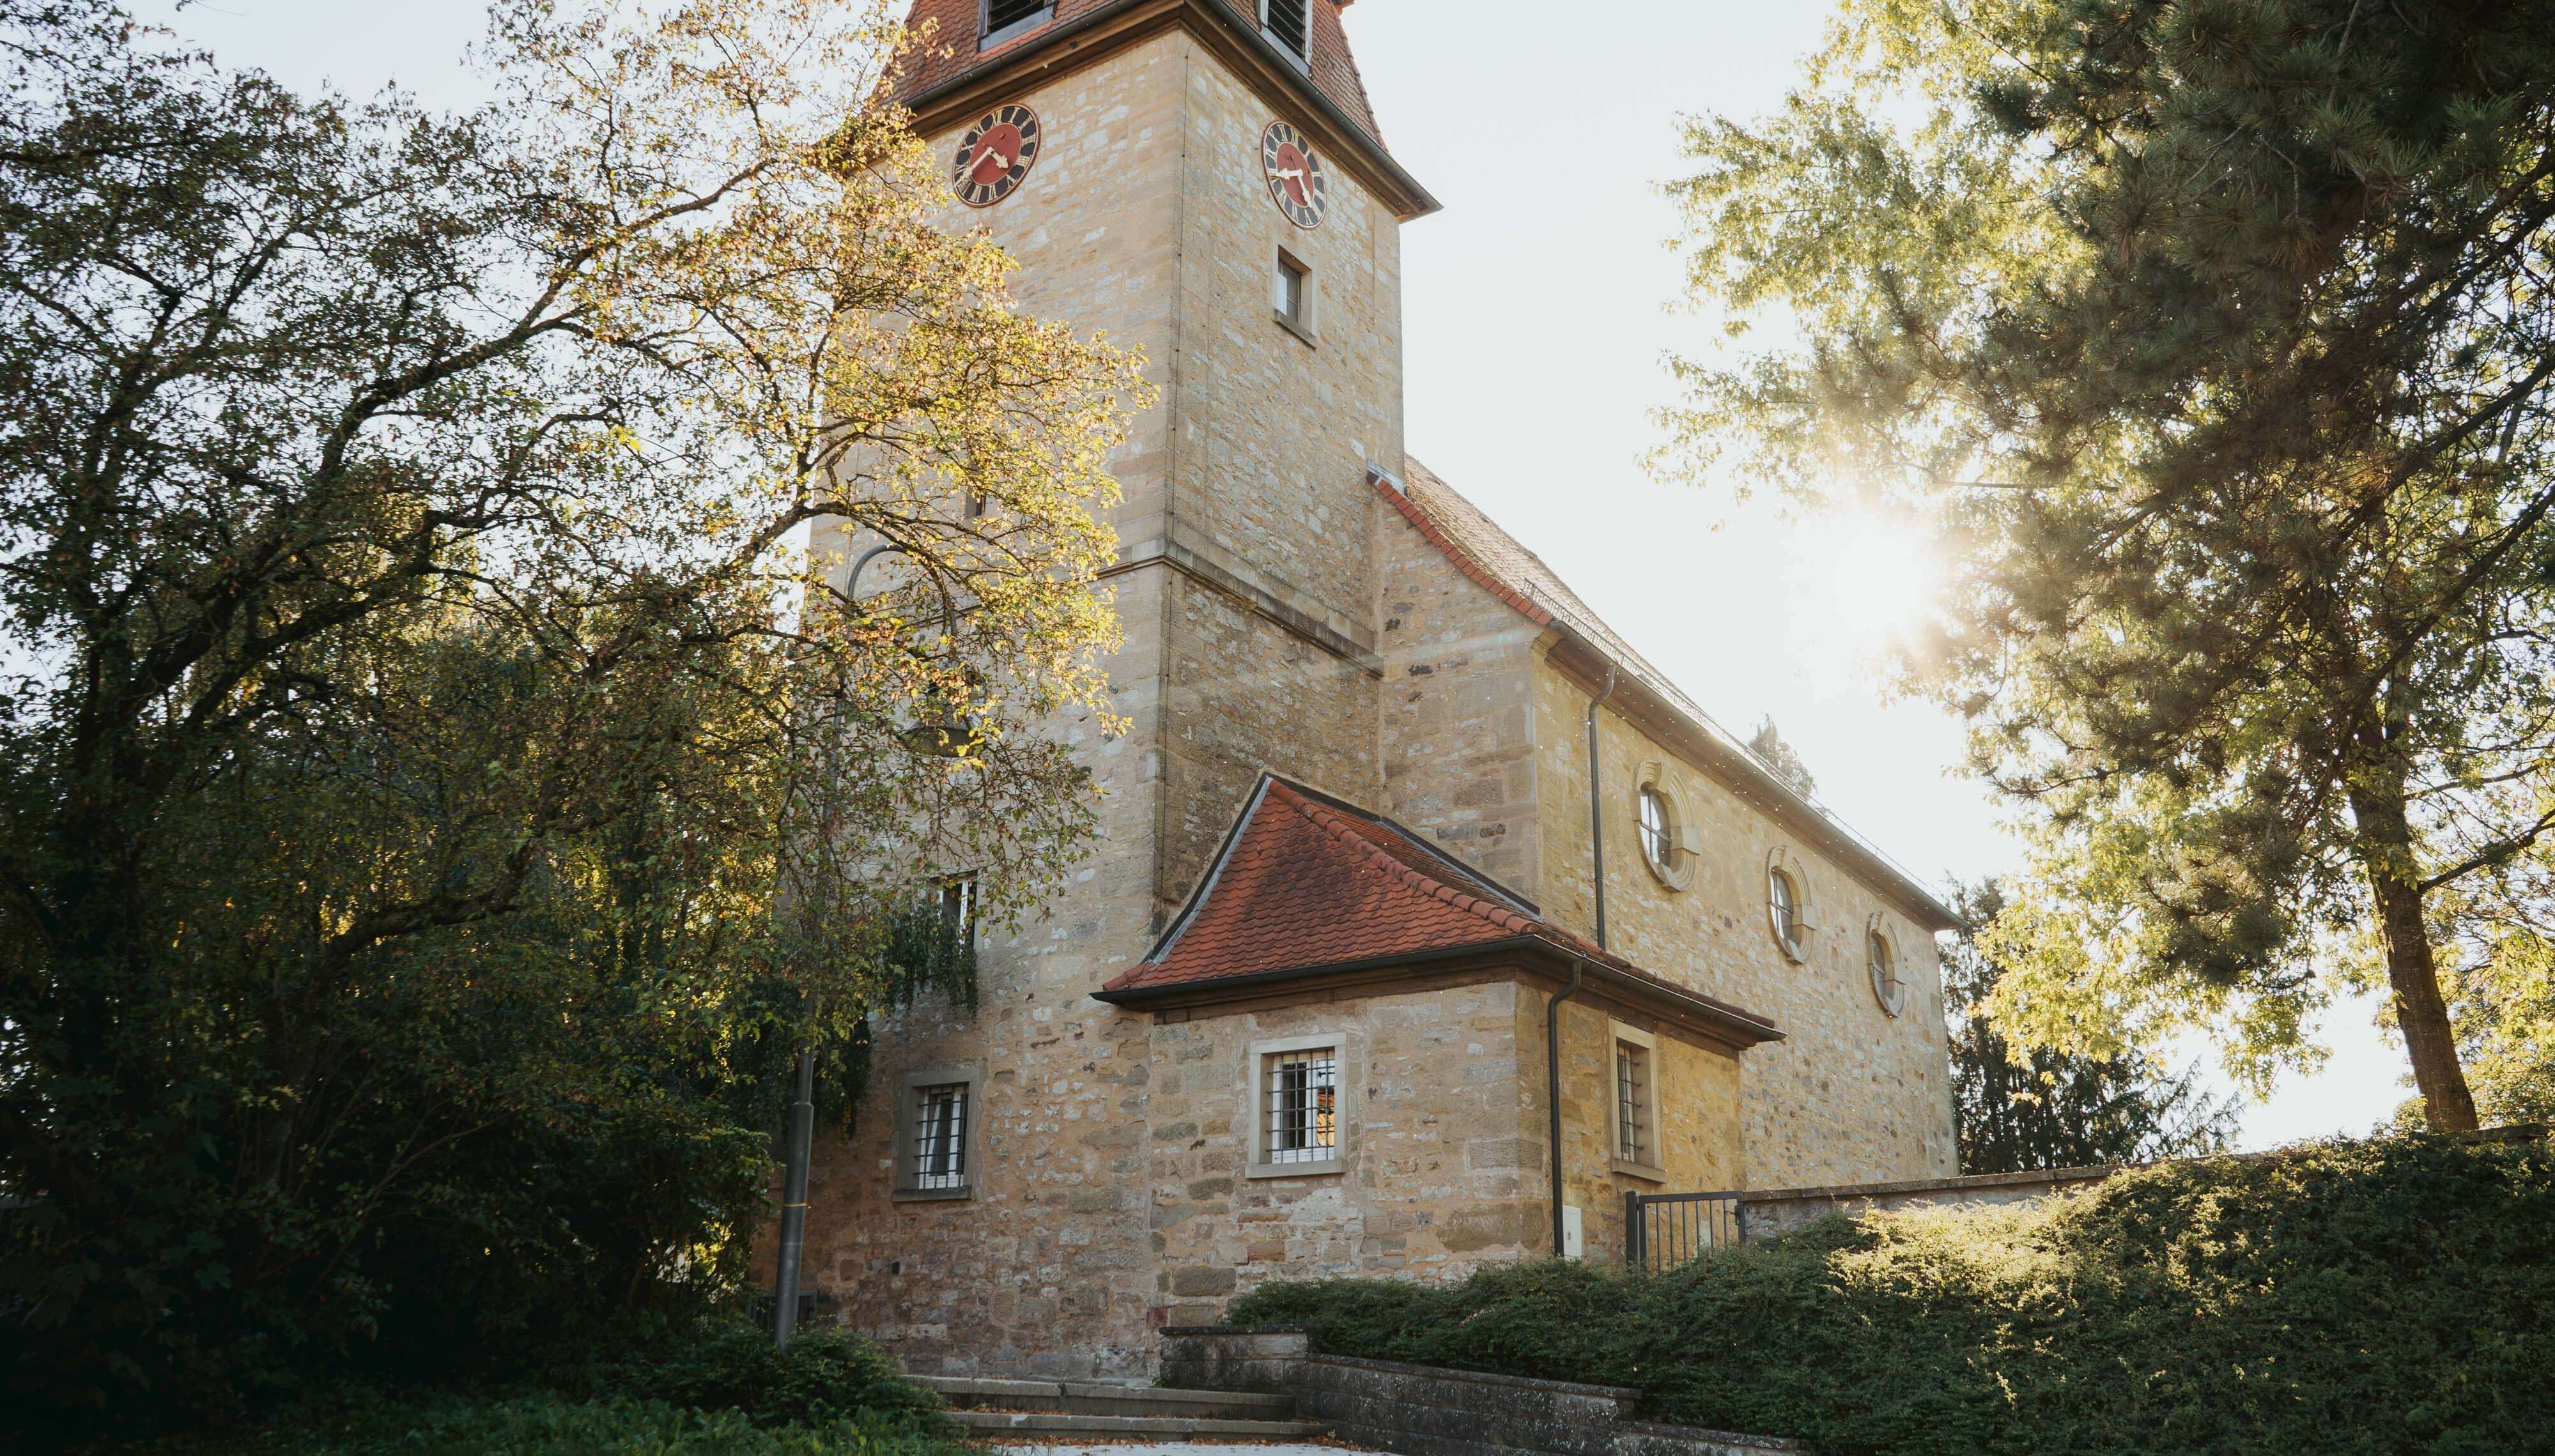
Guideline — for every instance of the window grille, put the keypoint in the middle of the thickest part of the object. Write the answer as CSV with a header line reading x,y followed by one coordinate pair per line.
x,y
1303,1116
940,1136
1289,23
1632,1103
1003,15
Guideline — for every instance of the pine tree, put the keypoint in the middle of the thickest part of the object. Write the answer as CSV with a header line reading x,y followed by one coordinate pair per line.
x,y
2216,338
2021,1109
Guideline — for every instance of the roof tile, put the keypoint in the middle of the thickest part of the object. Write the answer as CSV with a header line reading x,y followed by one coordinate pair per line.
x,y
951,51
1306,882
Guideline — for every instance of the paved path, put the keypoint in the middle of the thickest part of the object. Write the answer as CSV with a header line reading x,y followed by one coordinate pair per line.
x,y
1177,1450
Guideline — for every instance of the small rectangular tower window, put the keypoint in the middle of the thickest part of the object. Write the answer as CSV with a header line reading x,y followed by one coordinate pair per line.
x,y
940,1136
1290,24
957,898
1291,295
935,1133
1005,19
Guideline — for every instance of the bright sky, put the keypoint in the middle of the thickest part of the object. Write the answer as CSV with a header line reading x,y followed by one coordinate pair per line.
x,y
1535,330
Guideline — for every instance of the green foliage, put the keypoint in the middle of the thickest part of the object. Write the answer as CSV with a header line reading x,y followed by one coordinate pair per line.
x,y
2382,1296
2211,338
713,1389
1781,760
550,1425
2017,1108
821,1376
440,788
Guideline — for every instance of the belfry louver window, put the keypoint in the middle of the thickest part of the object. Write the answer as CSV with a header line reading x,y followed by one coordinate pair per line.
x,y
1290,24
1005,19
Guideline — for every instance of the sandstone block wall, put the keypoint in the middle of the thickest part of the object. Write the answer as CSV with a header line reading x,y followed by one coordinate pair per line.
x,y
1434,1159
1430,1410
1851,1094
1698,1131
1273,433
1458,724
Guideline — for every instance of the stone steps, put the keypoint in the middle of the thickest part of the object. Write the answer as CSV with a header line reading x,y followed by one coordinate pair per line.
x,y
1065,1425
1069,1409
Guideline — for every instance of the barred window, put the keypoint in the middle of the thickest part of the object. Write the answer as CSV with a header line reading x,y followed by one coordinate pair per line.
x,y
1289,23
1632,1102
939,1137
1301,1121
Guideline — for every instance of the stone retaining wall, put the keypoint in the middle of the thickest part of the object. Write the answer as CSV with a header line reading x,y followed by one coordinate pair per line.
x,y
1771,1211
1427,1410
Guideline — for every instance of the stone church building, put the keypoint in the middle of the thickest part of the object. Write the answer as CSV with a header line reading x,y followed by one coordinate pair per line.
x,y
1300,1013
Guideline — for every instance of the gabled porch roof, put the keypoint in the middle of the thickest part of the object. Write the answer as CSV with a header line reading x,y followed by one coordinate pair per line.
x,y
1309,889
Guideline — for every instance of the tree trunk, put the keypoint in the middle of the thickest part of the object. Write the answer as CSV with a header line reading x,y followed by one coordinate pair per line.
x,y
2395,889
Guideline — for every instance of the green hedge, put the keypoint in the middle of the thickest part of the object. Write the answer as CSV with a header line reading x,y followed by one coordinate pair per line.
x,y
722,1394
2394,1296
824,1376
553,1425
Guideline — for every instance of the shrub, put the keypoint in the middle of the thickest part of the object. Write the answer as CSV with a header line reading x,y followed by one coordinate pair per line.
x,y
2396,1295
552,1426
821,1376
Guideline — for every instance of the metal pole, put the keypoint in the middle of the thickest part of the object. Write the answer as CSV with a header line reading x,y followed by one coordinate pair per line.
x,y
803,1113
793,1200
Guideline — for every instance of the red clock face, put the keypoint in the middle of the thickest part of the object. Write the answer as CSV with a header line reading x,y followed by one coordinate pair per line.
x,y
994,155
1297,181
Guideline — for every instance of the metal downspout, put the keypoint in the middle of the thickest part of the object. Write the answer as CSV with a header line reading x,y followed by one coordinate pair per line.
x,y
1596,814
1578,970
1552,1088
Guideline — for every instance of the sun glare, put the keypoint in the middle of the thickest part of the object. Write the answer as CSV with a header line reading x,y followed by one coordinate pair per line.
x,y
1885,581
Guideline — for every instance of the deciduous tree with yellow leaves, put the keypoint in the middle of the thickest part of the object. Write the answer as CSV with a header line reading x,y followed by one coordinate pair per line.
x,y
435,782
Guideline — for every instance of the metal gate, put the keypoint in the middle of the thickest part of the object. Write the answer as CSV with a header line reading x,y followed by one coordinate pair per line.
x,y
1664,1230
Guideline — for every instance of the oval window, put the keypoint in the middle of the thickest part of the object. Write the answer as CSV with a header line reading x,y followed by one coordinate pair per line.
x,y
1784,904
1657,844
1886,987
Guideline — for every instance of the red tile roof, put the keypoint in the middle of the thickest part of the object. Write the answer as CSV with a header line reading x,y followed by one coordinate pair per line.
x,y
1305,883
952,52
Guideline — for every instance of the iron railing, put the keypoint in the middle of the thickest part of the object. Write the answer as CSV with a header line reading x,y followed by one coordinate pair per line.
x,y
1664,1230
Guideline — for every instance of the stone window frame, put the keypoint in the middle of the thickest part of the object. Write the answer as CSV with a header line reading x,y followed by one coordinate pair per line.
x,y
1303,322
1618,1037
1255,1121
989,37
1892,995
971,1148
1791,867
1686,841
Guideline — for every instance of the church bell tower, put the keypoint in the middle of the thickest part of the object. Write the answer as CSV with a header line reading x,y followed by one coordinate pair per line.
x,y
1204,180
